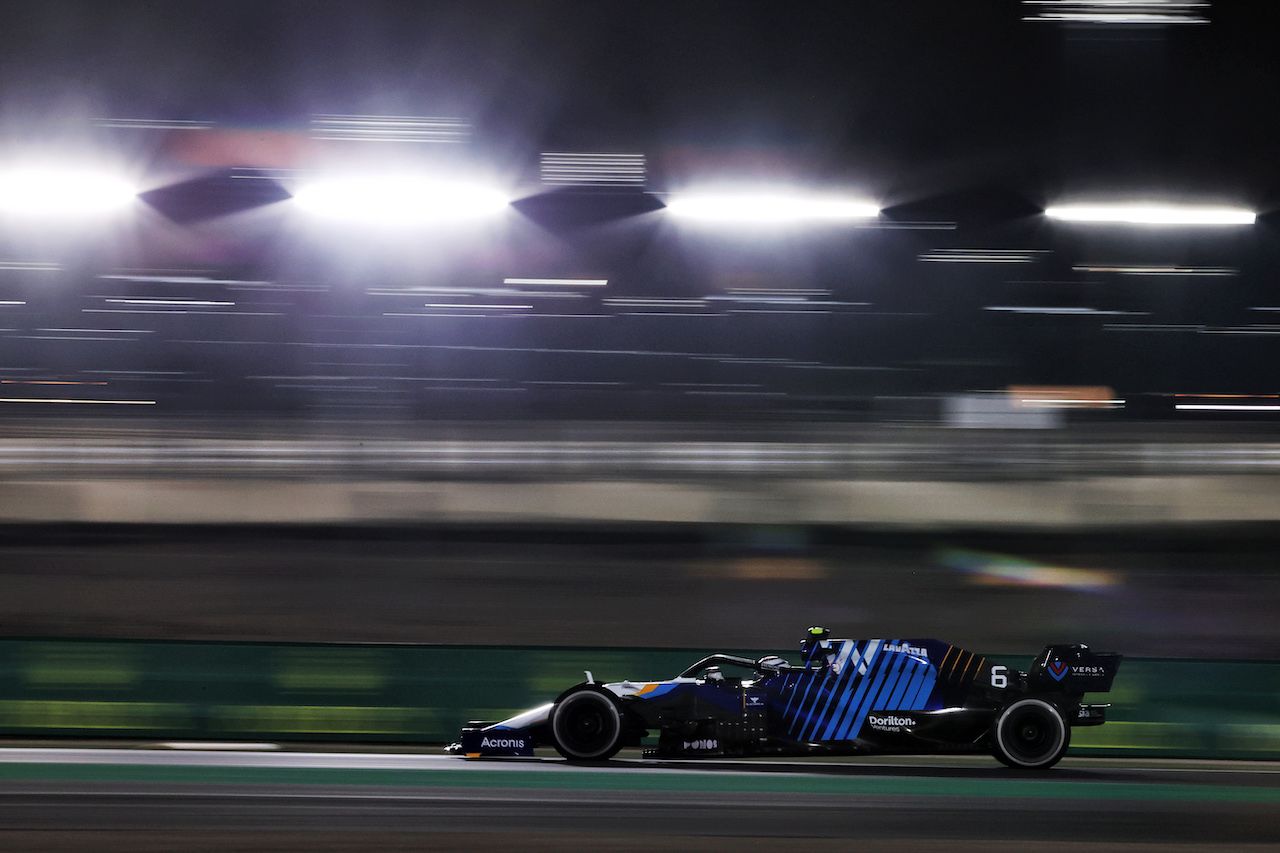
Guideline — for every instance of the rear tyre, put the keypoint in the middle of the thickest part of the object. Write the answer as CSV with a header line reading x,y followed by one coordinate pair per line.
x,y
587,726
1030,734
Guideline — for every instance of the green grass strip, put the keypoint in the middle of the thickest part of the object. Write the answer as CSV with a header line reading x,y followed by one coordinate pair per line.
x,y
641,780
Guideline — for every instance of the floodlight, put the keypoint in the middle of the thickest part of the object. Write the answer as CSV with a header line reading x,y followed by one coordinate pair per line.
x,y
1151,214
769,208
397,200
60,192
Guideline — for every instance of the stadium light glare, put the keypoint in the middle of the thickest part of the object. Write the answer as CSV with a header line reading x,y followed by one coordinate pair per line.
x,y
53,192
397,201
769,208
1151,214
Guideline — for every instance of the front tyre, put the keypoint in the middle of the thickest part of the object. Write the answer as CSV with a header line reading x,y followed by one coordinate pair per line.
x,y
587,726
1031,734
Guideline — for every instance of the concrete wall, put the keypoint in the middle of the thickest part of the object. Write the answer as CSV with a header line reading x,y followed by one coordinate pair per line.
x,y
1100,501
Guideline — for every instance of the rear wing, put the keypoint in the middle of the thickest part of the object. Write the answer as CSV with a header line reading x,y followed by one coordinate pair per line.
x,y
1073,669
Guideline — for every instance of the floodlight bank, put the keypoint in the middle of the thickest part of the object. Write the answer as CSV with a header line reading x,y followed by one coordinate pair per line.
x,y
765,208
1148,214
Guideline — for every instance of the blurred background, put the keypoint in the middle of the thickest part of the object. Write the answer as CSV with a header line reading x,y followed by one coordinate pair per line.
x,y
640,325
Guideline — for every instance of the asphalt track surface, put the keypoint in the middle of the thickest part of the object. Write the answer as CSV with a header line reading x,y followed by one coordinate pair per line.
x,y
136,799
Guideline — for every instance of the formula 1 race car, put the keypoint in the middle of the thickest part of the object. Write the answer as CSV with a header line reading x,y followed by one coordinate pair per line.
x,y
846,697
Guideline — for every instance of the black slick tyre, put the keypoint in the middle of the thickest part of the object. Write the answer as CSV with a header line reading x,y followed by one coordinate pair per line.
x,y
586,725
1030,734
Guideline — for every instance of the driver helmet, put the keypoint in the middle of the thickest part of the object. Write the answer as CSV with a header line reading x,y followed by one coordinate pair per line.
x,y
811,645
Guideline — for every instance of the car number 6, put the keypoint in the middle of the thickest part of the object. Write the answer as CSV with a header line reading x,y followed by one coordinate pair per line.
x,y
999,677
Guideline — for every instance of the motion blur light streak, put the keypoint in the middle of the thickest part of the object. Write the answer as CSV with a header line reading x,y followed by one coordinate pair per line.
x,y
1069,403
104,331
510,292
180,311
1002,570
468,305
983,256
1117,12
1242,330
397,201
1064,396
53,192
1159,270
744,292
219,746
98,402
357,128
642,302
65,338
1153,327
769,208
152,124
566,169
1048,309
1224,407
142,372
553,282
33,266
46,382
193,302
1151,214
181,279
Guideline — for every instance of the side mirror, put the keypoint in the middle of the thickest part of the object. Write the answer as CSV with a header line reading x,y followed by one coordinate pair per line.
x,y
772,663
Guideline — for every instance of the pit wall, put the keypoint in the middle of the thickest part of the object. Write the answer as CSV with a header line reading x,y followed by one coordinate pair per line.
x,y
423,694
1012,504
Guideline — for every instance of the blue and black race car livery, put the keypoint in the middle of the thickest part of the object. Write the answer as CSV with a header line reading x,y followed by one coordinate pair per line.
x,y
843,697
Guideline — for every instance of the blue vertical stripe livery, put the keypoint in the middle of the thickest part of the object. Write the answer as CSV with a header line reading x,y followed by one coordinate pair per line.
x,y
861,677
908,673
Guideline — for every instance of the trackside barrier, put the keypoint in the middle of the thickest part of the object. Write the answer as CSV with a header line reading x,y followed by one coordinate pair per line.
x,y
423,694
